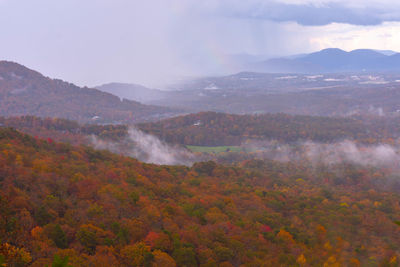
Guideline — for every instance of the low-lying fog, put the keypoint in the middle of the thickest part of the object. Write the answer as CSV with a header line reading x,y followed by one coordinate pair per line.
x,y
150,149
332,153
147,148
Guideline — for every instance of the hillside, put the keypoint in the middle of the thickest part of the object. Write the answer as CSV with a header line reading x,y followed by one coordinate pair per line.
x,y
216,129
27,92
63,130
54,198
210,128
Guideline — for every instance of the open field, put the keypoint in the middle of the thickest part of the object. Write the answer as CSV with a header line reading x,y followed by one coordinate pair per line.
x,y
214,149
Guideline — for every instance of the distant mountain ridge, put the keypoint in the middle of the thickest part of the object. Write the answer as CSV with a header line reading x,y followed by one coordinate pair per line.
x,y
334,60
27,92
132,91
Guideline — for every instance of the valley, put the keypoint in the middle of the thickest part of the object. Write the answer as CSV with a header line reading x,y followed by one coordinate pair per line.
x,y
251,169
186,133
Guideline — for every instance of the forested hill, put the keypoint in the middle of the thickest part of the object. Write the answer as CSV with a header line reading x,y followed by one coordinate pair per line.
x,y
210,128
63,130
27,92
62,205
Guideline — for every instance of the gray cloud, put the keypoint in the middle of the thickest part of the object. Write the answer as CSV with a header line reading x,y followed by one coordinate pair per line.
x,y
149,42
314,14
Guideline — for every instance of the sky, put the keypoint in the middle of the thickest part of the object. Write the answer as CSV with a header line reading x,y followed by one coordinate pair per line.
x,y
152,42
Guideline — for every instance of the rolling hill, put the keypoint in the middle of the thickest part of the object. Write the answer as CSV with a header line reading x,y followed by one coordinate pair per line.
x,y
217,129
27,92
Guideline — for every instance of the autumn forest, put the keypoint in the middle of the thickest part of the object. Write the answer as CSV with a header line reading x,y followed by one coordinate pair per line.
x,y
64,203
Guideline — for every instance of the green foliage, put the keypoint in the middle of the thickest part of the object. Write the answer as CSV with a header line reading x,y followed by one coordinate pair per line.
x,y
134,197
58,236
214,149
60,261
223,253
205,167
42,216
185,257
287,260
138,255
87,237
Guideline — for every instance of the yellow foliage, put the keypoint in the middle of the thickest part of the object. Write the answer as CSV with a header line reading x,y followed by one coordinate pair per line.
x,y
301,260
14,254
285,235
40,165
328,246
135,255
162,259
215,215
331,262
18,160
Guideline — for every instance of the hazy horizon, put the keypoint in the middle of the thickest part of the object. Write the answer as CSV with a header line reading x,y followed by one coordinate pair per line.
x,y
96,42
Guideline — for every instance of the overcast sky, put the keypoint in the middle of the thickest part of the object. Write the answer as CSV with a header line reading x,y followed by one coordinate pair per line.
x,y
90,42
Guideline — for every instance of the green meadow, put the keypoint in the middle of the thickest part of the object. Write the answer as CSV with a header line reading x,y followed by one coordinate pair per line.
x,y
214,149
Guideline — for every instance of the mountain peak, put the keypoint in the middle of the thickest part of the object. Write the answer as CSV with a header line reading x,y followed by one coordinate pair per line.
x,y
330,50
